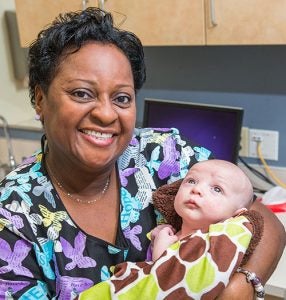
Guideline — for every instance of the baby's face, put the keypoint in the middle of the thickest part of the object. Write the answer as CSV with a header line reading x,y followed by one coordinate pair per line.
x,y
210,192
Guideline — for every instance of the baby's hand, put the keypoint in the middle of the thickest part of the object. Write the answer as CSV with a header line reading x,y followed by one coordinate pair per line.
x,y
166,236
157,229
162,240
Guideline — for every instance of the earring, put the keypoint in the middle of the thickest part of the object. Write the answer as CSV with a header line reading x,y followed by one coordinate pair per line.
x,y
37,117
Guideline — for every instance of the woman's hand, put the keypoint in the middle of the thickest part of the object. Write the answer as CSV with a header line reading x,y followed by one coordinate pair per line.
x,y
237,289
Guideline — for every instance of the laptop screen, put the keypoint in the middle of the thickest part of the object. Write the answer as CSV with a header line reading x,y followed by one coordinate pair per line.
x,y
214,127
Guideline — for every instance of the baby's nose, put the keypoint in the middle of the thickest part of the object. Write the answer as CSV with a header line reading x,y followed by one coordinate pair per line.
x,y
197,189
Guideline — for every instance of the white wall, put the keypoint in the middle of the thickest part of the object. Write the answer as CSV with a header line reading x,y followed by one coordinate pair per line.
x,y
14,98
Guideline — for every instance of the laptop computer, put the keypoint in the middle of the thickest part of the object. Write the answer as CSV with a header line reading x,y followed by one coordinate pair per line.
x,y
215,127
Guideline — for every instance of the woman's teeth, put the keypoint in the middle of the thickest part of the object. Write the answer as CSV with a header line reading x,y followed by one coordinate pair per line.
x,y
97,134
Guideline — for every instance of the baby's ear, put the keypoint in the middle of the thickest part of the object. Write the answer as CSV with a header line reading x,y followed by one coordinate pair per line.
x,y
240,211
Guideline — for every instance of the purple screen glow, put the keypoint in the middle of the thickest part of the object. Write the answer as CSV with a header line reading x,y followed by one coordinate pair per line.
x,y
216,128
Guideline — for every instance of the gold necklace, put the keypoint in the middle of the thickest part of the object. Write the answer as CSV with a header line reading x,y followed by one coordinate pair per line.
x,y
71,196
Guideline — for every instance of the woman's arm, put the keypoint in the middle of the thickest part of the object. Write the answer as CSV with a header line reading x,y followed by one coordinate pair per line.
x,y
269,251
264,259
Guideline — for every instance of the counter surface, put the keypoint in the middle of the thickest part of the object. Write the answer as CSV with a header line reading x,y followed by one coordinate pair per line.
x,y
276,285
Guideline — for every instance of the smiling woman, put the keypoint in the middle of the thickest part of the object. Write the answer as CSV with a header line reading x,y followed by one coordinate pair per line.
x,y
83,202
92,105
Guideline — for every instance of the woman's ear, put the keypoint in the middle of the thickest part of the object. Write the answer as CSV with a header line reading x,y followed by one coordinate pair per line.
x,y
39,96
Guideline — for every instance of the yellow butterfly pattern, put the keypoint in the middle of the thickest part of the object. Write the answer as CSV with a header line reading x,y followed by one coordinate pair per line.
x,y
3,223
53,221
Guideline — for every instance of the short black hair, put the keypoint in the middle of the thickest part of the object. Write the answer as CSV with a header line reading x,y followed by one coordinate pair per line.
x,y
68,33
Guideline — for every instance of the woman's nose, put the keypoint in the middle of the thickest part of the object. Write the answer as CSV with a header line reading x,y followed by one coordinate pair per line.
x,y
104,112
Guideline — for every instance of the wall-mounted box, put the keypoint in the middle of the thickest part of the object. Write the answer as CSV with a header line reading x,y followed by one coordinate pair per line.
x,y
19,54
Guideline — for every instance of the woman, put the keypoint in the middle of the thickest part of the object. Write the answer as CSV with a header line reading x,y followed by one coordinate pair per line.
x,y
82,204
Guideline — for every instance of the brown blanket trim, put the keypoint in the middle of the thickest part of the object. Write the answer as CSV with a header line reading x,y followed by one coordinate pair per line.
x,y
163,200
257,222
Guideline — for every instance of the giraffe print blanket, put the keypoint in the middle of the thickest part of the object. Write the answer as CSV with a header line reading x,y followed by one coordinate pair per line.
x,y
196,267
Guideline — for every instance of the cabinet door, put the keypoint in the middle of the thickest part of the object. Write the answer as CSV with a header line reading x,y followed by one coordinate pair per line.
x,y
161,22
246,22
34,15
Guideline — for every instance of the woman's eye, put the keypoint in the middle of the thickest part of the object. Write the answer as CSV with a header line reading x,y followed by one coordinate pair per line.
x,y
123,100
82,95
217,189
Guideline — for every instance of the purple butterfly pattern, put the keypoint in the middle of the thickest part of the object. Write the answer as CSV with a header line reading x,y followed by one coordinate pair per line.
x,y
123,174
28,160
161,129
15,258
8,288
76,253
169,164
131,234
69,287
17,221
134,141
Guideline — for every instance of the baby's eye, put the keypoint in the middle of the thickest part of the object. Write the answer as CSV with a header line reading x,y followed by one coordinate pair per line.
x,y
217,189
191,181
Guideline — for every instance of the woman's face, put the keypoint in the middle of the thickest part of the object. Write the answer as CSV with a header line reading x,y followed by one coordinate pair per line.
x,y
89,110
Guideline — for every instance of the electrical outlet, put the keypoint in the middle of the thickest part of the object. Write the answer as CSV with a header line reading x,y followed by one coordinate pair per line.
x,y
244,142
269,140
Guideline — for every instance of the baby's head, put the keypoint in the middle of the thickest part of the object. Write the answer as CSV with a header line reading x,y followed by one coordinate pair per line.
x,y
212,191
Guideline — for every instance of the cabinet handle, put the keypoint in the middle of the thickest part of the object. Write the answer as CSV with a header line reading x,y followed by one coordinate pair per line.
x,y
212,13
101,4
84,4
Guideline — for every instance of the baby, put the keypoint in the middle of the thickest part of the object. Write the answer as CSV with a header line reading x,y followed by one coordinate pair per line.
x,y
208,209
212,191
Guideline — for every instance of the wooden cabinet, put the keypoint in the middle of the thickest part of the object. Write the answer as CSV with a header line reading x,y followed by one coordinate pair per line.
x,y
161,22
34,15
246,22
204,22
172,23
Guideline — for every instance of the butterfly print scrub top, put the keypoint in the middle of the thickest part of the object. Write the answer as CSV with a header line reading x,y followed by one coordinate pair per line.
x,y
45,255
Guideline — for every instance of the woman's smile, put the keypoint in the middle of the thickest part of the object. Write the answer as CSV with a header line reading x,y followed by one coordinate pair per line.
x,y
98,138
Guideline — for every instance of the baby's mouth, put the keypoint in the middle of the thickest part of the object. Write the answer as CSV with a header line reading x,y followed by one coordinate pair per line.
x,y
191,203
